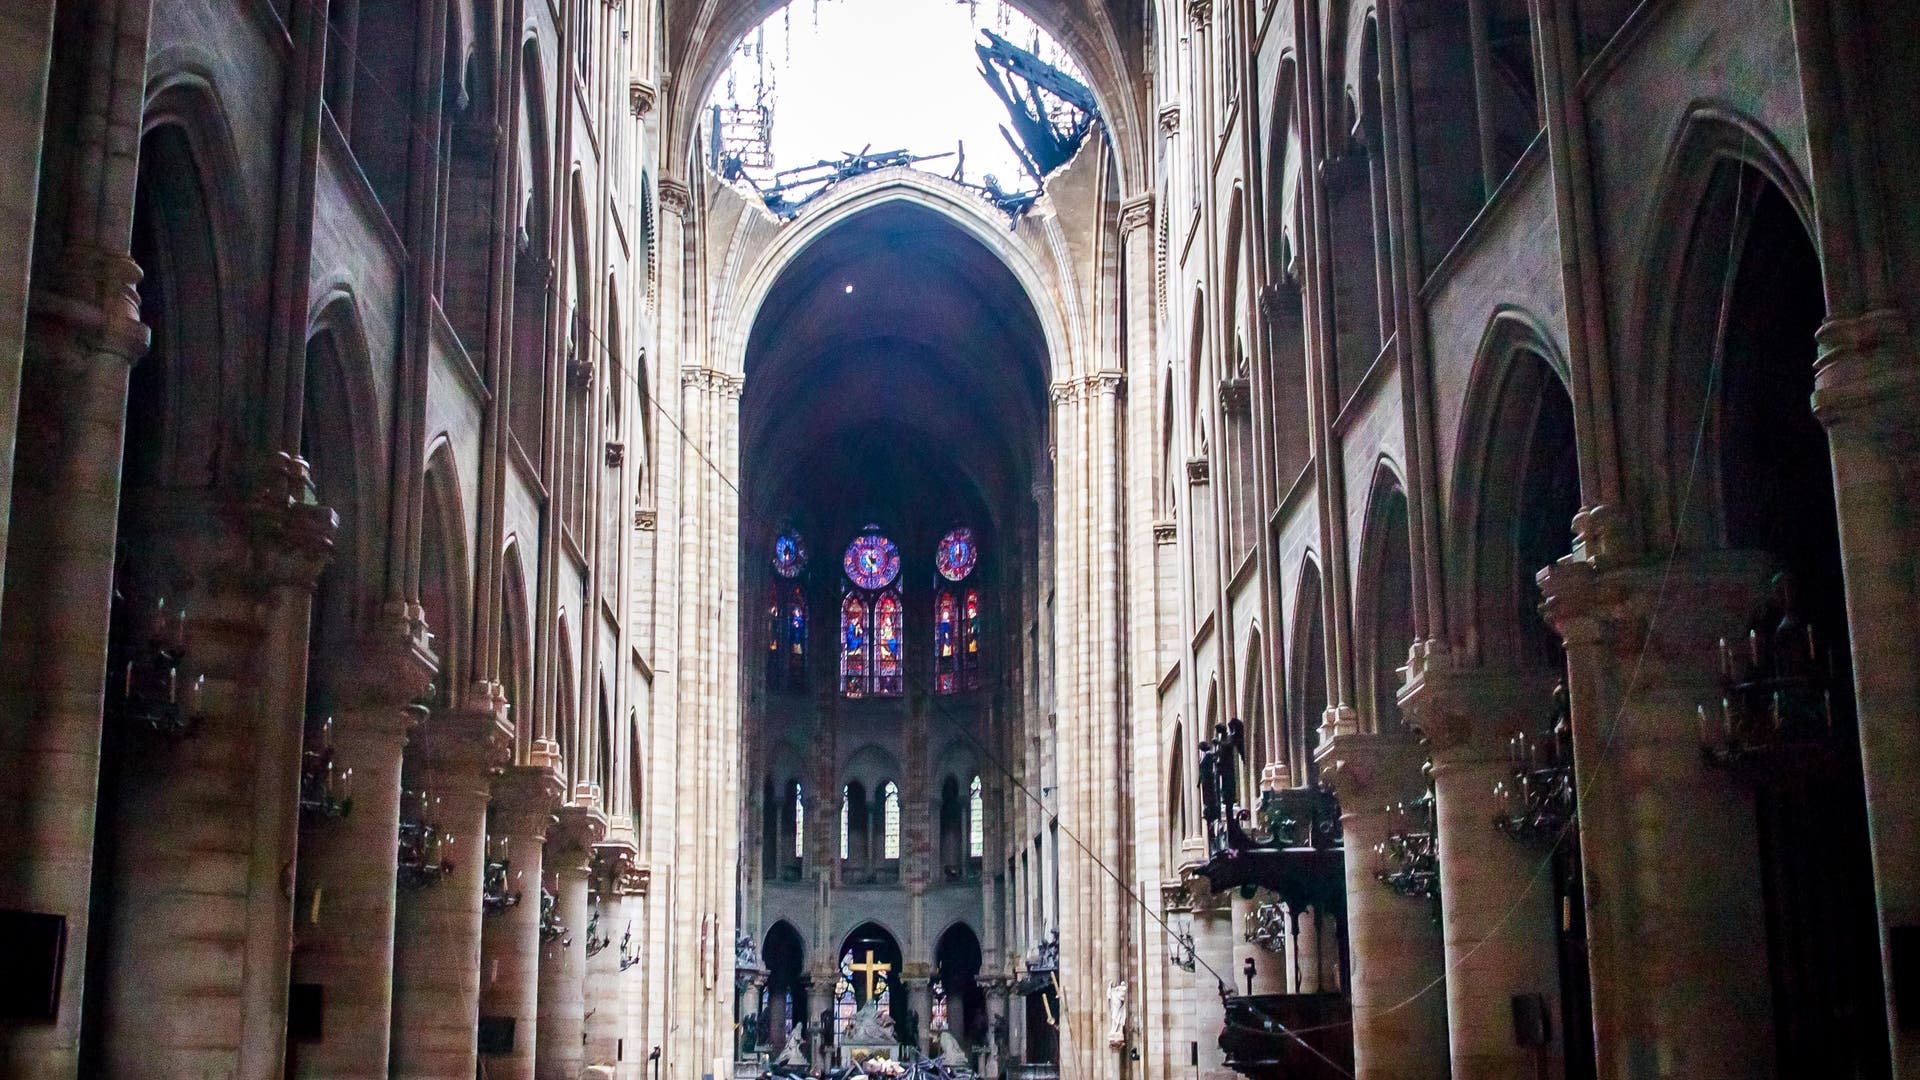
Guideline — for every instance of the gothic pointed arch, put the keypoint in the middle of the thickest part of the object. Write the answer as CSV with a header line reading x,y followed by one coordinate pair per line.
x,y
1384,595
445,569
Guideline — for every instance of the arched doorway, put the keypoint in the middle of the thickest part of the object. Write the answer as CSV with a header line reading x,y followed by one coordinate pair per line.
x,y
867,996
959,1005
785,1011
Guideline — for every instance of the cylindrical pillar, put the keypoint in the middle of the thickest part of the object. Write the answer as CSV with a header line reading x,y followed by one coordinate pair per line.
x,y
1399,1002
563,966
343,931
437,931
523,811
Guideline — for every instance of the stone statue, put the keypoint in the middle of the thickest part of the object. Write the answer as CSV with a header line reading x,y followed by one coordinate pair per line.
x,y
872,1027
951,1054
1117,1014
745,955
795,1054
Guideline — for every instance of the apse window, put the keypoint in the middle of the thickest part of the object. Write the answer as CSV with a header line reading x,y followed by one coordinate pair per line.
x,y
956,614
825,91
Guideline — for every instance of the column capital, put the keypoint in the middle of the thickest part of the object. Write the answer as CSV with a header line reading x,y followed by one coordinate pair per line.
x,y
1365,769
392,665
1136,213
1466,713
526,799
576,830
675,199
1170,117
1669,613
615,869
292,534
1199,13
473,737
712,380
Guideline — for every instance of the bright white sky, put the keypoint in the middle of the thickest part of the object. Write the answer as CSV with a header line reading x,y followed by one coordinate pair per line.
x,y
896,74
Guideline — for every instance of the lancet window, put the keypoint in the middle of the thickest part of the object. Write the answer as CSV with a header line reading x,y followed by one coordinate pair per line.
x,y
872,619
890,821
956,614
787,617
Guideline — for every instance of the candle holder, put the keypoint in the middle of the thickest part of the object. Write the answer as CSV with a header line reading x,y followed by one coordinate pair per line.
x,y
551,928
147,688
1408,860
1777,688
1537,801
596,941
326,790
425,856
495,893
629,956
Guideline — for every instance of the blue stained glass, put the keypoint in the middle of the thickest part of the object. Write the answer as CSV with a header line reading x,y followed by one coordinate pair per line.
x,y
957,554
872,561
789,554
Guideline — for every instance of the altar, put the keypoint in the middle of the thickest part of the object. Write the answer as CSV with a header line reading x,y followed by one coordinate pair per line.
x,y
865,1030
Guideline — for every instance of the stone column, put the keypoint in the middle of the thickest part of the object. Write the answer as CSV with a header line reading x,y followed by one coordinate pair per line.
x,y
920,1000
66,481
1676,925
1864,392
525,800
437,931
1399,1014
344,929
1496,897
610,1021
563,961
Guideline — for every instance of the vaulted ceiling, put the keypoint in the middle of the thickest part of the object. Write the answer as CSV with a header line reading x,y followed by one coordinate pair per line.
x,y
917,399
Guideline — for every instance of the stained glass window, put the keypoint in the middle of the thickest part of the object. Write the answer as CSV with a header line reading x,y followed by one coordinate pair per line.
x,y
872,562
872,619
787,638
890,820
956,640
887,646
957,553
789,554
854,650
976,821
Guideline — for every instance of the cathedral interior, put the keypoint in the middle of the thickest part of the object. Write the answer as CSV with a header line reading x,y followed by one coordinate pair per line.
x,y
1379,547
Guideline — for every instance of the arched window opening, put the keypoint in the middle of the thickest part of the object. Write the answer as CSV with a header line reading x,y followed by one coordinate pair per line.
x,y
787,638
890,821
799,815
976,824
872,618
956,614
950,829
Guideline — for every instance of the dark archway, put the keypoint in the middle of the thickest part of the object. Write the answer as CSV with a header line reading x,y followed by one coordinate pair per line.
x,y
956,970
785,1009
1386,602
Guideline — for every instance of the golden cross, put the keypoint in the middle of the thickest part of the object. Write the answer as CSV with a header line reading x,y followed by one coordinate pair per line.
x,y
870,968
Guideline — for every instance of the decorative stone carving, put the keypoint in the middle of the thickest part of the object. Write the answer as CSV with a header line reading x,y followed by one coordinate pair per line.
x,y
1170,117
1236,396
1198,470
640,97
292,534
1166,532
712,380
674,198
1136,213
1200,13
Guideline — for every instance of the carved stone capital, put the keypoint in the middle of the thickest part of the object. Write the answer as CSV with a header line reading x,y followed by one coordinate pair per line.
x,y
613,866
576,831
1473,711
291,533
712,380
675,198
392,666
1065,392
1199,13
1199,471
1136,213
645,520
640,97
1166,532
1280,305
1170,117
1656,615
1236,396
1368,772
1104,384
525,801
